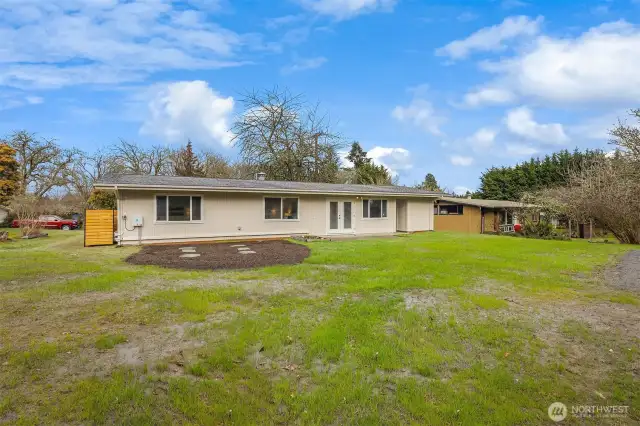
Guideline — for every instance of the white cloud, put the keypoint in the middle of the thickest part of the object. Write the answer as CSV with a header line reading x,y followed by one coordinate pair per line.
x,y
460,160
420,113
519,150
598,66
304,64
189,109
461,190
10,100
492,38
344,161
68,42
483,139
597,127
520,122
281,21
34,100
394,159
345,9
488,95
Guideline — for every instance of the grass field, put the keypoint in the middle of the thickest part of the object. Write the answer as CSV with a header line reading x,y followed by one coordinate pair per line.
x,y
426,329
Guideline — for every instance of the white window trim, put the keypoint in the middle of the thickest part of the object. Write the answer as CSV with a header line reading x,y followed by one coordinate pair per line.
x,y
369,205
450,214
174,222
264,205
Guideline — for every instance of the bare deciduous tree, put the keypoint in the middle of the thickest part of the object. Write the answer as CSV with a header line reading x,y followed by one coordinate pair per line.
x,y
128,157
605,190
27,208
86,170
284,137
43,165
627,138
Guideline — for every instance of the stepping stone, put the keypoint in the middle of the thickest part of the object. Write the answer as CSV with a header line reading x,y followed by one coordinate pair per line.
x,y
238,245
248,252
190,255
188,250
243,248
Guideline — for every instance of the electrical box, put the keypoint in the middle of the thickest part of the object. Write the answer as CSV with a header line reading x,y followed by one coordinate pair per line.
x,y
137,221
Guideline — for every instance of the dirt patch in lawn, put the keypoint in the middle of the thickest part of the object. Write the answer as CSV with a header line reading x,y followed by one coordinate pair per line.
x,y
222,255
626,274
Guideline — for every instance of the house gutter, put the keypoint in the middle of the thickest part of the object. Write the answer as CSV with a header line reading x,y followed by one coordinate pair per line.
x,y
264,191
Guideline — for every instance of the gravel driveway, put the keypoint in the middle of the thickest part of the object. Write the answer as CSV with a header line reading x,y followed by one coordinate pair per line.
x,y
626,274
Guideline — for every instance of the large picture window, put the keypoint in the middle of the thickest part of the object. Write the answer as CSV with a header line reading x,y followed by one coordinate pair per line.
x,y
178,208
277,208
374,209
445,210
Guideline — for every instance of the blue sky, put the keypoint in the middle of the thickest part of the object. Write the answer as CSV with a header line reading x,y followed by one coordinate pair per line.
x,y
449,88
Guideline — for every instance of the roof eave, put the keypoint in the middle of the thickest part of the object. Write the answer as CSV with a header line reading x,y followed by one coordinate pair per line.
x,y
260,190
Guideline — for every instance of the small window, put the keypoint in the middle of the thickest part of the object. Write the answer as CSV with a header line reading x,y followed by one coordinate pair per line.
x,y
180,208
196,208
161,208
281,208
374,209
450,210
272,208
290,208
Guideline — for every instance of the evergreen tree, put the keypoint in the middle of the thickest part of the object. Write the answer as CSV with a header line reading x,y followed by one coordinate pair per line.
x,y
509,183
430,183
186,163
358,156
373,174
9,175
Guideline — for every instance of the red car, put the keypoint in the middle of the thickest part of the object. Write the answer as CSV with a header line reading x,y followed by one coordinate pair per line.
x,y
52,222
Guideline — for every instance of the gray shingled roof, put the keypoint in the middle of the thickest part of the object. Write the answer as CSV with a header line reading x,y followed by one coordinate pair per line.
x,y
491,204
179,182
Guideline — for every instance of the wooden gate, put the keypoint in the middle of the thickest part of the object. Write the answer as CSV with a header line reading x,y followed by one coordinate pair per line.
x,y
99,227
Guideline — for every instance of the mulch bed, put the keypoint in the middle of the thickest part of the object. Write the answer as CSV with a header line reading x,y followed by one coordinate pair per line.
x,y
222,255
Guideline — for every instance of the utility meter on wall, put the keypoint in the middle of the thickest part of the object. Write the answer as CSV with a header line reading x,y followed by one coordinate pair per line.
x,y
137,221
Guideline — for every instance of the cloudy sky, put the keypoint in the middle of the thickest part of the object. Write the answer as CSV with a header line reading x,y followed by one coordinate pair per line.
x,y
449,87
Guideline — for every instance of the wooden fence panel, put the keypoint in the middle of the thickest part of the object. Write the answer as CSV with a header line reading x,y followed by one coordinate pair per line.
x,y
99,226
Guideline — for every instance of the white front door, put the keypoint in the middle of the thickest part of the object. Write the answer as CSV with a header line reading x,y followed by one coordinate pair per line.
x,y
341,216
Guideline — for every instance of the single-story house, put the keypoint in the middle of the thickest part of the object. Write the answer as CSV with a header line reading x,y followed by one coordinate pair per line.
x,y
474,216
171,208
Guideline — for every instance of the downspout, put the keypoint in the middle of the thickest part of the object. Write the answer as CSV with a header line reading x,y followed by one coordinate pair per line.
x,y
119,216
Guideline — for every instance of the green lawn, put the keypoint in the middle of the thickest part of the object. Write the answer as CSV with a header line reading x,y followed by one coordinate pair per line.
x,y
433,328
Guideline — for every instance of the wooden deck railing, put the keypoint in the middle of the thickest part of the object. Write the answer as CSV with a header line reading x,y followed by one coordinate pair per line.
x,y
506,228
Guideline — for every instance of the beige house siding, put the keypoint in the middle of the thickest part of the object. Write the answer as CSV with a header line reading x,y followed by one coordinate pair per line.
x,y
420,215
402,216
239,215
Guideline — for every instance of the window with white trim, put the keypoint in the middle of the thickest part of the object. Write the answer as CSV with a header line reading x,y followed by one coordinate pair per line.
x,y
374,209
277,208
178,208
449,209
